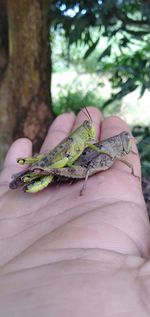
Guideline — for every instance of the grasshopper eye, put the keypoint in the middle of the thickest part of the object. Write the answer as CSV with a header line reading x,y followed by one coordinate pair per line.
x,y
126,141
67,155
90,127
125,134
87,124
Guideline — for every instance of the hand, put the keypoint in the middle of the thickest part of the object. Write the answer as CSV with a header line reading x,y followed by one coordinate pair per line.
x,y
66,255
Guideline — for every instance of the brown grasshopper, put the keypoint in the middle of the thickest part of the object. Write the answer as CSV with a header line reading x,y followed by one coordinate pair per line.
x,y
89,163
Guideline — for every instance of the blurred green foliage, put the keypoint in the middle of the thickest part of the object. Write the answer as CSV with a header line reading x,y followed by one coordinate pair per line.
x,y
71,57
142,134
70,100
125,24
72,97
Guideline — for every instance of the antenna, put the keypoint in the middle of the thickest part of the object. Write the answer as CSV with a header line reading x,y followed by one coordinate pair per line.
x,y
87,113
144,141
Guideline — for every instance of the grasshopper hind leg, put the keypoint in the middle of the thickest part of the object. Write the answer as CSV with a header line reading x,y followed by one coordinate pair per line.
x,y
130,166
100,151
37,185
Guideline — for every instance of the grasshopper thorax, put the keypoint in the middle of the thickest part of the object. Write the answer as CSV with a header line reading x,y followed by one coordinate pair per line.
x,y
126,142
90,128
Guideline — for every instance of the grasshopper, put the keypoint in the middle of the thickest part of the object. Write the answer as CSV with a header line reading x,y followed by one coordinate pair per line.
x,y
64,154
89,163
92,162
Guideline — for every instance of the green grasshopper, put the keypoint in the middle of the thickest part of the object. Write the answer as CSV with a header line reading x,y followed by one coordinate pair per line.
x,y
89,163
64,154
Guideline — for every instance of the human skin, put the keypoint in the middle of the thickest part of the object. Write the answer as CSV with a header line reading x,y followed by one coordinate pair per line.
x,y
65,255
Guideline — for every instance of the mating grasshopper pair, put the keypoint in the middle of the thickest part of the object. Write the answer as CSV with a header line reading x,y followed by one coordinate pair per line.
x,y
76,157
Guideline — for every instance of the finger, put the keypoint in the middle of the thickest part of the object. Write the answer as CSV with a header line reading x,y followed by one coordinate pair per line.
x,y
112,126
59,129
96,116
119,184
20,148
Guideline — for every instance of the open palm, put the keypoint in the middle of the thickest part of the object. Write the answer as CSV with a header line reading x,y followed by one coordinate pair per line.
x,y
53,242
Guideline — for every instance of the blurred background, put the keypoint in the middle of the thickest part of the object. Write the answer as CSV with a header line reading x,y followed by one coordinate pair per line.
x,y
58,56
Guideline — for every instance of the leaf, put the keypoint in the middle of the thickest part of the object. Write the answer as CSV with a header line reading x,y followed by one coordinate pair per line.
x,y
106,52
91,49
127,87
142,90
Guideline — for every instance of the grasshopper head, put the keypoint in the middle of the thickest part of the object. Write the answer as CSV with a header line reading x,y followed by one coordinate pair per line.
x,y
90,128
126,141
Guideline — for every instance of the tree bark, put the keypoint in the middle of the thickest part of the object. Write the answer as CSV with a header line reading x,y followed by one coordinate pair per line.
x,y
3,38
25,90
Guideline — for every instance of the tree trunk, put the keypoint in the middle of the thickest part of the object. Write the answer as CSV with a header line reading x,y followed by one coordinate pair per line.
x,y
25,89
3,38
